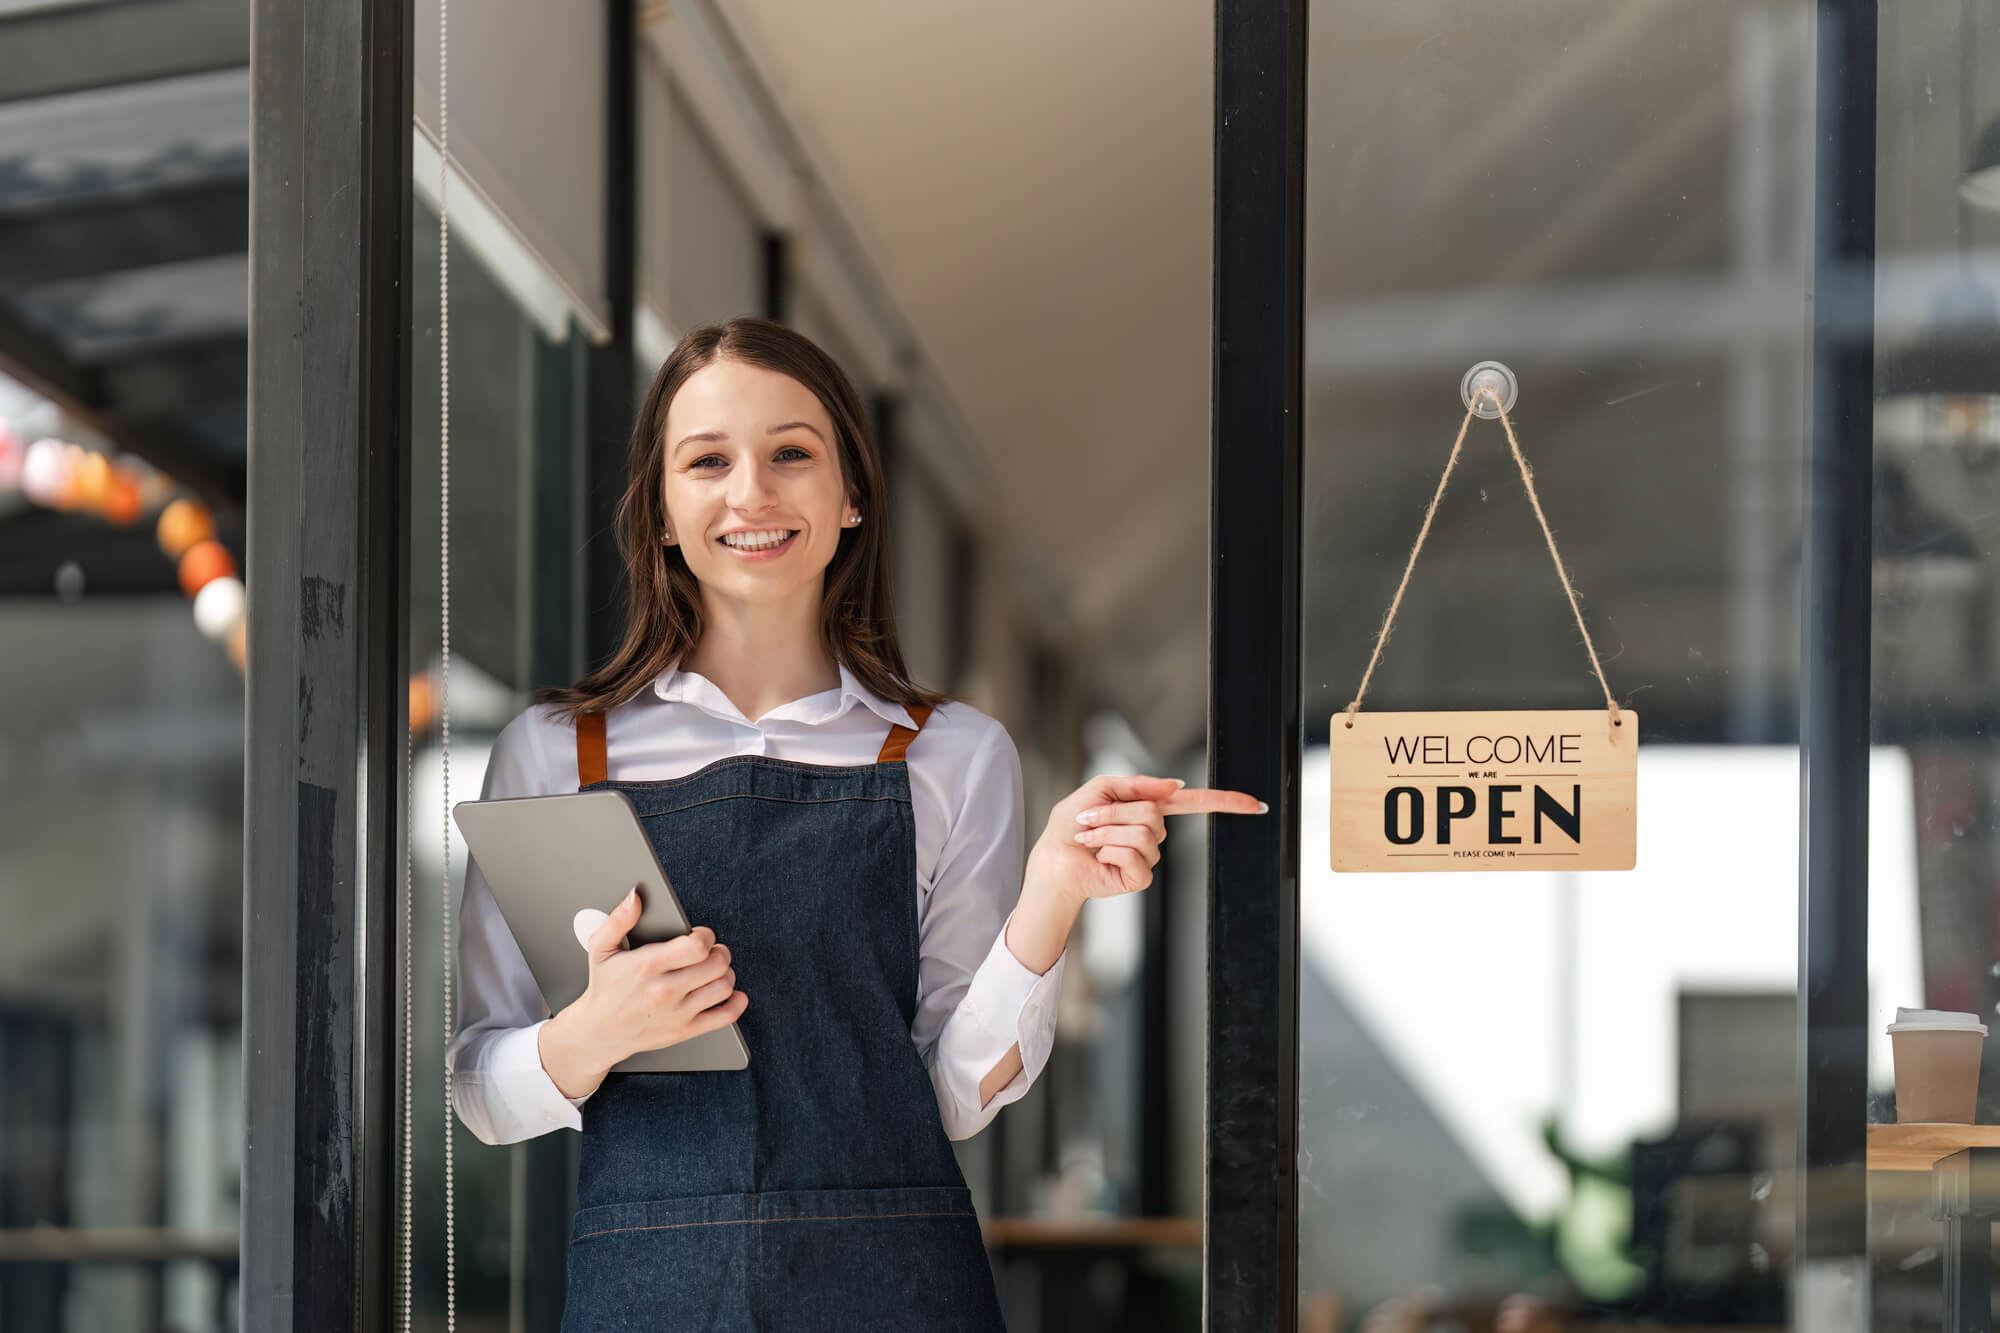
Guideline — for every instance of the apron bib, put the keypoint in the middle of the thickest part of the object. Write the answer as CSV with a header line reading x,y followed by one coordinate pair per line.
x,y
816,1189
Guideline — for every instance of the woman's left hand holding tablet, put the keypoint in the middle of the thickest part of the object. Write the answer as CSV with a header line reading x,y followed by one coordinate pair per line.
x,y
638,999
1104,838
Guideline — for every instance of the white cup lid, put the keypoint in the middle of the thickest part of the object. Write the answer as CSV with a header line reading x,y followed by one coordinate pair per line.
x,y
1935,1020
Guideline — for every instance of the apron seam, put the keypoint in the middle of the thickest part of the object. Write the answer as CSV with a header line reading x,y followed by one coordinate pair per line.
x,y
782,800
773,1221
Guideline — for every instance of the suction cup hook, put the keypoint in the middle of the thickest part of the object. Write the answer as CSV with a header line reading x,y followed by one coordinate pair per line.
x,y
1488,389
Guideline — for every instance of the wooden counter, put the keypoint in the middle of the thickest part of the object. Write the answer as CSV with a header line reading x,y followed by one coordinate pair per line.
x,y
1917,1147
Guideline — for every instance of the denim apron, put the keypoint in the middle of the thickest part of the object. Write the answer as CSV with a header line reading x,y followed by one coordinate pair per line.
x,y
815,1189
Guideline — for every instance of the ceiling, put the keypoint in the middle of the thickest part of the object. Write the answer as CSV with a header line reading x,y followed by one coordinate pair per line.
x,y
124,253
1613,199
1031,182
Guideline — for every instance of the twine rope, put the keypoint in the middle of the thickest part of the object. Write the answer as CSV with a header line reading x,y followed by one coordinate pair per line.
x,y
1423,532
1396,603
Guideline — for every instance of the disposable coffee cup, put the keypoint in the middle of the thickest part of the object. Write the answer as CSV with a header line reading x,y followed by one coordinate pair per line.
x,y
1937,1065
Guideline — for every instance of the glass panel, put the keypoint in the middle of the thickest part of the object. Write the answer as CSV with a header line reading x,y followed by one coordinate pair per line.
x,y
1933,927
121,917
1536,1096
511,549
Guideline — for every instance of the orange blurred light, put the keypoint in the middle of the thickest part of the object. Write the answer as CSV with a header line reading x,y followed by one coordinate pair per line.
x,y
203,561
90,483
182,524
69,493
122,504
423,703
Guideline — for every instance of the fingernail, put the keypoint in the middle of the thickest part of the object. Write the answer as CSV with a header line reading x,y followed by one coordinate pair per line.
x,y
630,897
1083,837
1090,817
1263,809
1179,783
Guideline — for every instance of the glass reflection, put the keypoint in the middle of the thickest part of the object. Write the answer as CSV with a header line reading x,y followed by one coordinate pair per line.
x,y
1531,1100
512,529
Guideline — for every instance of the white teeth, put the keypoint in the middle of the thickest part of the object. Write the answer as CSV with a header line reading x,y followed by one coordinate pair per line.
x,y
756,541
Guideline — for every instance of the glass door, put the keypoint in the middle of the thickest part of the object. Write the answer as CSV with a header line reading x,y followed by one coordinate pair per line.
x,y
1537,1095
1741,262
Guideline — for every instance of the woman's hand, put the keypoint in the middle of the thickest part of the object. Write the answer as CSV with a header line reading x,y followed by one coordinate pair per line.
x,y
638,999
1103,839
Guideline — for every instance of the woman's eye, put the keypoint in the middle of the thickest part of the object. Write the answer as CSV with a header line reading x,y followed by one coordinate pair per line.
x,y
789,453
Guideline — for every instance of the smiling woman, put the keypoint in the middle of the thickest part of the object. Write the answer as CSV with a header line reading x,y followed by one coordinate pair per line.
x,y
848,848
768,436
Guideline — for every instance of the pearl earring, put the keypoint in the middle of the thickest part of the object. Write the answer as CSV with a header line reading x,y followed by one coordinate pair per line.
x,y
854,518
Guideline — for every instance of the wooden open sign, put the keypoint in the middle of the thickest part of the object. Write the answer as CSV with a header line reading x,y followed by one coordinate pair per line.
x,y
1545,790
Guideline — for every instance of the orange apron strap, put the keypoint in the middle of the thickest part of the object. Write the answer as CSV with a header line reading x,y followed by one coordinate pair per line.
x,y
593,764
898,743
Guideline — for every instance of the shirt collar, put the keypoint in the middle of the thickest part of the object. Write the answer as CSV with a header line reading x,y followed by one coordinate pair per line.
x,y
676,686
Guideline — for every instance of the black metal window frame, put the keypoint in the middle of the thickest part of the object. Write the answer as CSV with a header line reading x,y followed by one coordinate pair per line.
x,y
1835,711
1250,1251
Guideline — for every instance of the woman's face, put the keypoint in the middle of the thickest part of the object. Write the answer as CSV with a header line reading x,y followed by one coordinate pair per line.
x,y
762,468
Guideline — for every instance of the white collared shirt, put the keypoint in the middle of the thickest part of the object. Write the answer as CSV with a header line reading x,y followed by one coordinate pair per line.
x,y
974,998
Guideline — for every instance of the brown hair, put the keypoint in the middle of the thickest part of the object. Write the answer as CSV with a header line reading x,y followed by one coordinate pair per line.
x,y
663,619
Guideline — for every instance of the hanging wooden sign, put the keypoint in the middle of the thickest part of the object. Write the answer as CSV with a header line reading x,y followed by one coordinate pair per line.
x,y
1485,791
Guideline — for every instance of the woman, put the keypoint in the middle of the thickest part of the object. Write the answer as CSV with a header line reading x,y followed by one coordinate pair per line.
x,y
849,844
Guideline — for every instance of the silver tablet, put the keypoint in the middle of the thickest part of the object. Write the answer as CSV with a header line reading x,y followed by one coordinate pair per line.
x,y
547,858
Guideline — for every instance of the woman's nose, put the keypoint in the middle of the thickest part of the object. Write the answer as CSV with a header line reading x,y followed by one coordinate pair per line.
x,y
751,487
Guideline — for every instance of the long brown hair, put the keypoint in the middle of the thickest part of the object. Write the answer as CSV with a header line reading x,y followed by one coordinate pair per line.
x,y
663,617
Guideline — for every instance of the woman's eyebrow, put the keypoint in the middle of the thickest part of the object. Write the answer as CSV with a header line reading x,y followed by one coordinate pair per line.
x,y
712,435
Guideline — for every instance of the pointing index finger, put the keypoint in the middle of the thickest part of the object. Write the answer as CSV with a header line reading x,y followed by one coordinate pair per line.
x,y
1212,801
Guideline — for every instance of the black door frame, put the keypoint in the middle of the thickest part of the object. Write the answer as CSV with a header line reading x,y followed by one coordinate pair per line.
x,y
326,701
1250,1231
1835,705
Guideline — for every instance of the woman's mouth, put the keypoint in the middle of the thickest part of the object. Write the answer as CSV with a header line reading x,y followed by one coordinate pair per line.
x,y
755,546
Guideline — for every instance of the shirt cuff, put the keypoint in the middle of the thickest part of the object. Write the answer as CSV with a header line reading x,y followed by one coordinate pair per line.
x,y
515,1059
1014,1006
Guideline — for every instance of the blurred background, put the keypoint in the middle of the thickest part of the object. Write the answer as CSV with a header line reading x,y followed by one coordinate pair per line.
x,y
1526,1101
